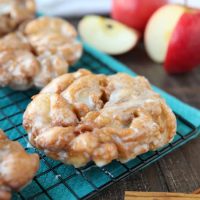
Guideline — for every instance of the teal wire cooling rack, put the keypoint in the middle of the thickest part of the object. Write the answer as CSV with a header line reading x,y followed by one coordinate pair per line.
x,y
55,180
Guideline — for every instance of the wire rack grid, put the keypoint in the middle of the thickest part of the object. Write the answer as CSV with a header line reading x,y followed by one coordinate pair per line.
x,y
55,180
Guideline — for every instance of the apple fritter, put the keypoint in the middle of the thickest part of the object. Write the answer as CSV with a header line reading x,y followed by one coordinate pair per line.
x,y
17,168
13,13
54,35
30,57
81,117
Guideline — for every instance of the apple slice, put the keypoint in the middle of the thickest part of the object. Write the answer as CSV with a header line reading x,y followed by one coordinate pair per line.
x,y
107,35
159,30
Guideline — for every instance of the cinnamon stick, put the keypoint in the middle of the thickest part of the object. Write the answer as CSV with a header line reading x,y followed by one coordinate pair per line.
x,y
159,196
197,191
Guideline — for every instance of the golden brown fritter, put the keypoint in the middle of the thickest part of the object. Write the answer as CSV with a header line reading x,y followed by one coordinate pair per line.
x,y
19,67
13,13
54,35
34,57
44,25
17,168
81,116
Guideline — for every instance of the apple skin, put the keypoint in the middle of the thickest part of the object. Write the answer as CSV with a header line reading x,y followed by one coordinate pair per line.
x,y
135,13
183,52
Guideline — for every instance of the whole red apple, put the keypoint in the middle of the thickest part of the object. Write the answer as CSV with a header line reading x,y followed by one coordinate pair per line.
x,y
135,13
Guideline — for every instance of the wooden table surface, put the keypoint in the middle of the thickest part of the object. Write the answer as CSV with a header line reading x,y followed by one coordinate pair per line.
x,y
179,171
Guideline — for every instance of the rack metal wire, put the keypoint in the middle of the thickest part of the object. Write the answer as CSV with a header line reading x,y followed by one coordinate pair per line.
x,y
55,180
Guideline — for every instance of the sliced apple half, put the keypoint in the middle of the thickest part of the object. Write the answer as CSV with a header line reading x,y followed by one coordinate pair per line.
x,y
107,35
183,53
159,30
172,37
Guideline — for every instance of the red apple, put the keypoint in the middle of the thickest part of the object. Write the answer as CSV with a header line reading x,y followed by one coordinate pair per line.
x,y
183,52
135,13
172,36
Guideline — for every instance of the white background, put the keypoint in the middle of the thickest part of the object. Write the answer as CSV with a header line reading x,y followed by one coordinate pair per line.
x,y
81,7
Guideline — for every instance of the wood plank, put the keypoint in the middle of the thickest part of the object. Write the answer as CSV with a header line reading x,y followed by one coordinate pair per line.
x,y
178,173
147,180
